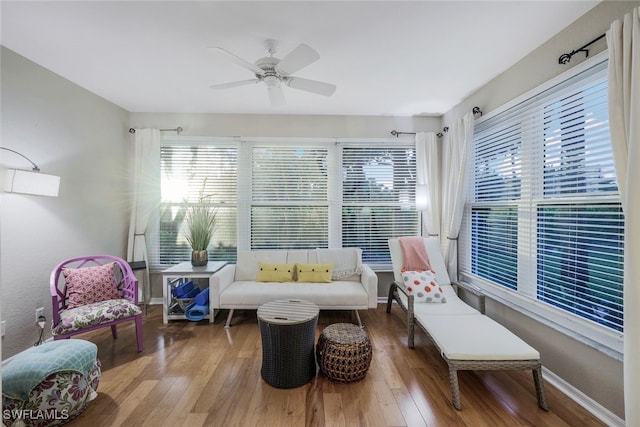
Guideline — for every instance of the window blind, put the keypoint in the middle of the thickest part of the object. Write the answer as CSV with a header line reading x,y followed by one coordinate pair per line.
x,y
198,174
289,197
378,199
544,217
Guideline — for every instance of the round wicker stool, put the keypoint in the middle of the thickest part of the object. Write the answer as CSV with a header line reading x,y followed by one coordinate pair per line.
x,y
344,352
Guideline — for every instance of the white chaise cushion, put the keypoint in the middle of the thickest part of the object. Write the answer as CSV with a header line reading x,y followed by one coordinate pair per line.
x,y
454,304
475,338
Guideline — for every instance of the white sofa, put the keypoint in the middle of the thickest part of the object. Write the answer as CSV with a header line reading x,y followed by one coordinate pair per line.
x,y
354,285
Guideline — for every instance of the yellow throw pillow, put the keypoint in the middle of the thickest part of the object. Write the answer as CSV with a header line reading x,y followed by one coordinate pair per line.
x,y
315,273
275,272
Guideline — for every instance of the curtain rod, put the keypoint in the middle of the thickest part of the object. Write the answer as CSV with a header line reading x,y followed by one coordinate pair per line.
x,y
566,57
178,130
476,113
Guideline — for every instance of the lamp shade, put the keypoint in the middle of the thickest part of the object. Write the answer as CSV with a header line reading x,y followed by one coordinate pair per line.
x,y
421,197
28,182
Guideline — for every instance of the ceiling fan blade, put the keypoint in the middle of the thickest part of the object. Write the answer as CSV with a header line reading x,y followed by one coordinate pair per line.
x,y
276,95
297,59
314,86
240,61
234,84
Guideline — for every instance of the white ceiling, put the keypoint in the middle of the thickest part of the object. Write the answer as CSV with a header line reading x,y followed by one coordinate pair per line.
x,y
386,57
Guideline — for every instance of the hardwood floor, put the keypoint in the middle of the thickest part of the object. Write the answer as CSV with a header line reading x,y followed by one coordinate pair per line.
x,y
198,374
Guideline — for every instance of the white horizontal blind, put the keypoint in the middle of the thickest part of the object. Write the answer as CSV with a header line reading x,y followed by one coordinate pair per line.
x,y
378,198
192,174
544,216
289,203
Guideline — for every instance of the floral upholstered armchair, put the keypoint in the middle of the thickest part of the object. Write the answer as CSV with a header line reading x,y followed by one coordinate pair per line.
x,y
93,292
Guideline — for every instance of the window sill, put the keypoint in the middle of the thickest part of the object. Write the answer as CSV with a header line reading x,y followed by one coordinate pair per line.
x,y
599,338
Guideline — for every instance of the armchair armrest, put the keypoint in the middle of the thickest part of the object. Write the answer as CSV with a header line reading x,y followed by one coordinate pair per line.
x,y
474,290
369,280
219,282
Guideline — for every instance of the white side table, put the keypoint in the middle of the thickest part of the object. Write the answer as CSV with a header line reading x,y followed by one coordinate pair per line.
x,y
180,273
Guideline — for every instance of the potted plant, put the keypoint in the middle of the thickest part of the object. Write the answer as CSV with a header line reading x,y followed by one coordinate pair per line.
x,y
201,222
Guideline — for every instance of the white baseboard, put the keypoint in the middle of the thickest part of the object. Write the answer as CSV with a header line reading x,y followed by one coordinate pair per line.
x,y
155,301
596,409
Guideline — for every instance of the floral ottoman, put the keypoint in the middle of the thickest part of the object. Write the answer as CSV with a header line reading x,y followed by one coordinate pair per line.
x,y
49,384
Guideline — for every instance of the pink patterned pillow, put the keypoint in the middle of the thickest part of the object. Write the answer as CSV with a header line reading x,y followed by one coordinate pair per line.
x,y
90,284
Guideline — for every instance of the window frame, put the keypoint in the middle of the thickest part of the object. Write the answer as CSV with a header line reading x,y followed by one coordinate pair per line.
x,y
244,201
597,336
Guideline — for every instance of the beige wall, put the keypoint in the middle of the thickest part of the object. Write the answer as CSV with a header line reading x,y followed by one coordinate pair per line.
x,y
81,137
586,368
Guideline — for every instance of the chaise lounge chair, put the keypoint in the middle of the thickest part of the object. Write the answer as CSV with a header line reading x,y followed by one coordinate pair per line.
x,y
466,338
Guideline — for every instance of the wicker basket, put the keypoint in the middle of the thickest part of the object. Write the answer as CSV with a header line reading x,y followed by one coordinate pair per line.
x,y
344,352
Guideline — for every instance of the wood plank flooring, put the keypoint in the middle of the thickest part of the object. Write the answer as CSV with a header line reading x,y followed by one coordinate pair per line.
x,y
198,374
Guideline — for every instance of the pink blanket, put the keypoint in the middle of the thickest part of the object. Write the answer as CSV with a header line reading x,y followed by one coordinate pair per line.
x,y
414,254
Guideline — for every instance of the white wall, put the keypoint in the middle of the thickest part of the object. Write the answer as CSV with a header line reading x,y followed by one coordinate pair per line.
x,y
84,139
592,372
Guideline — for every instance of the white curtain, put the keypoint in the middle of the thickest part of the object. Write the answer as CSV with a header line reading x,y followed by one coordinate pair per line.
x,y
428,175
623,40
146,198
455,151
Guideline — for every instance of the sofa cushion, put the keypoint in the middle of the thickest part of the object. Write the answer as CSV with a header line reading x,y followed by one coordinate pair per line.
x,y
247,262
314,273
270,272
347,262
346,295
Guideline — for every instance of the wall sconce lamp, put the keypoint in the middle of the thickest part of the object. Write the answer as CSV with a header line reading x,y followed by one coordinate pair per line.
x,y
30,182
421,197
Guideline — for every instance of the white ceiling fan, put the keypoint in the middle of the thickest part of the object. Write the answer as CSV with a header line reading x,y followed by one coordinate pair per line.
x,y
274,72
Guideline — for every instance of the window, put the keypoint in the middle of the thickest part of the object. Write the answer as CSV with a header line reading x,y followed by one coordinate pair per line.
x,y
288,194
378,199
187,174
289,203
543,219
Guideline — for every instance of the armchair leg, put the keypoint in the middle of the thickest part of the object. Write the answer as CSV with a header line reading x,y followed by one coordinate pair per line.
x,y
139,332
114,332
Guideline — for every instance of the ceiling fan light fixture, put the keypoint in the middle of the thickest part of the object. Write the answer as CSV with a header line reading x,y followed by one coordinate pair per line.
x,y
274,71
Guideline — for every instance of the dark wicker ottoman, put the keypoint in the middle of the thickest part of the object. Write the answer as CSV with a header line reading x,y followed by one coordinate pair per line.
x,y
288,331
344,352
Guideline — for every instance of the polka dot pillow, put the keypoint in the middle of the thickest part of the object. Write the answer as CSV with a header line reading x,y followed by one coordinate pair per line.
x,y
90,284
423,286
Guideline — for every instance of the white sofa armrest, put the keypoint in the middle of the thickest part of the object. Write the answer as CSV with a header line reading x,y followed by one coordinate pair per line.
x,y
369,280
219,282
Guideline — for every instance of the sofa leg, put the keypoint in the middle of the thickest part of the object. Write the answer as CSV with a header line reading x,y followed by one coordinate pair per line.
x,y
229,316
358,317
